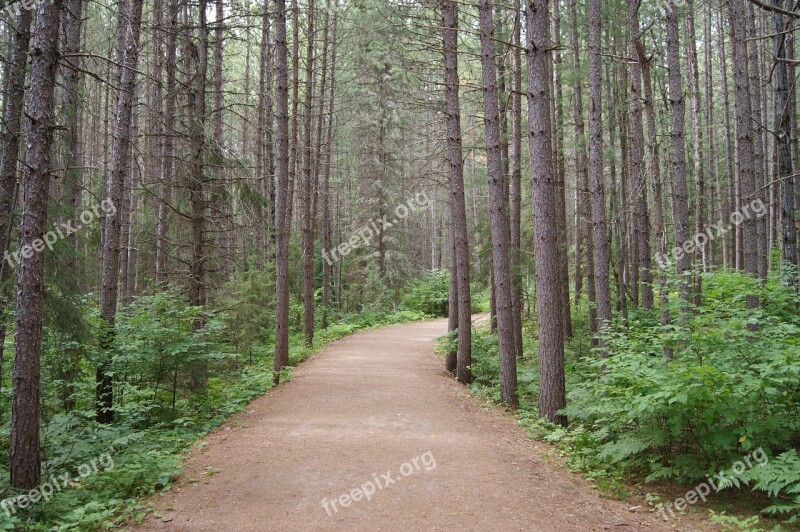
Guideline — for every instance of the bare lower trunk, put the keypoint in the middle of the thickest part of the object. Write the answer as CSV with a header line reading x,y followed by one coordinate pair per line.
x,y
784,146
599,232
641,222
131,21
14,102
24,438
309,189
500,224
545,190
745,156
680,194
282,197
458,204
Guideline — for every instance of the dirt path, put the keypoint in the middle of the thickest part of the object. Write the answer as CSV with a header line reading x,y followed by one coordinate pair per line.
x,y
374,403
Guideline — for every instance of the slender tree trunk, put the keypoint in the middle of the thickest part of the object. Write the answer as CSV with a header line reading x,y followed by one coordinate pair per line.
x,y
24,439
198,189
500,224
457,200
515,186
641,224
655,176
309,189
282,198
733,245
745,155
759,145
218,121
13,105
599,232
545,191
784,145
582,200
168,165
715,194
680,194
560,174
131,19
695,103
326,178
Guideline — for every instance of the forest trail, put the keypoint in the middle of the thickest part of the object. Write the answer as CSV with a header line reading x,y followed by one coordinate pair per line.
x,y
368,405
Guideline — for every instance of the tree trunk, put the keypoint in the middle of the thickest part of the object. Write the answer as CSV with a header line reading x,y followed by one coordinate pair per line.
x,y
745,156
131,21
198,185
24,439
282,198
545,191
784,146
599,233
309,190
655,175
560,173
13,103
680,194
326,176
641,223
583,226
500,224
695,102
457,200
515,185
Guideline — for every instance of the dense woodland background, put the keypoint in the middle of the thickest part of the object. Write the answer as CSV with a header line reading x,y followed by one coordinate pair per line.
x,y
563,157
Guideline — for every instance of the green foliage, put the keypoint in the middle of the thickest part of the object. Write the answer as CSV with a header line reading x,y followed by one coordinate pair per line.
x,y
726,391
780,479
429,294
731,522
157,415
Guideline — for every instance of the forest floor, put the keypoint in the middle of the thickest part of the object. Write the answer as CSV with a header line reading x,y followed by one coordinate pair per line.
x,y
374,405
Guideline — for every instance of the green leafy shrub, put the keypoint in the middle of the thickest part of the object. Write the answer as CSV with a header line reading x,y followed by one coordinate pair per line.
x,y
429,294
727,391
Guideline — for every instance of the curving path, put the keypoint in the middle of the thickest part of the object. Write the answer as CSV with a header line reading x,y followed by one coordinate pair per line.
x,y
376,413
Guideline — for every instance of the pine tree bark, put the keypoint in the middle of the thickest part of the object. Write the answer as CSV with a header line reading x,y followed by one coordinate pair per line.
x,y
598,202
515,185
457,200
655,176
680,194
309,189
583,225
695,103
120,160
730,204
784,145
326,176
759,144
198,189
745,156
545,190
282,197
641,224
560,174
500,224
13,104
25,409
